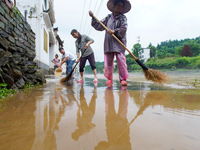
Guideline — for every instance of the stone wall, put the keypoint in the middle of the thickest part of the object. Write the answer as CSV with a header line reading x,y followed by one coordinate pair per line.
x,y
17,49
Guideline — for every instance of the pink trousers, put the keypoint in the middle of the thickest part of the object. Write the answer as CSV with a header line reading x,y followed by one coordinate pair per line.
x,y
109,65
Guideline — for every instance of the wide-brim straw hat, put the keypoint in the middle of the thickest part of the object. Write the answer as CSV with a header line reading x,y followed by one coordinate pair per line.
x,y
127,6
58,72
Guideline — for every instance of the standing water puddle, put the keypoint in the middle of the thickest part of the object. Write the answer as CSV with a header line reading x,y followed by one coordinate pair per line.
x,y
142,116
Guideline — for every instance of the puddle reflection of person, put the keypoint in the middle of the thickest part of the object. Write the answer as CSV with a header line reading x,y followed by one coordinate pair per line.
x,y
70,93
117,127
45,137
85,114
65,101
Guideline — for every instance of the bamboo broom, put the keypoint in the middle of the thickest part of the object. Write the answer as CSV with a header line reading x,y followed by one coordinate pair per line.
x,y
150,74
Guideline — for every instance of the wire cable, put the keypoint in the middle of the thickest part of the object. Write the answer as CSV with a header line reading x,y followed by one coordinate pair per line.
x,y
87,16
89,28
82,15
100,6
97,12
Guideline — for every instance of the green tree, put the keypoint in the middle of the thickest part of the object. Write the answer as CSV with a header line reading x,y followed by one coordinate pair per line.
x,y
162,53
178,51
195,47
130,61
136,48
153,50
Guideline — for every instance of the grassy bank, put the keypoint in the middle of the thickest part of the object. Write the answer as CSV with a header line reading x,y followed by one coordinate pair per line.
x,y
175,63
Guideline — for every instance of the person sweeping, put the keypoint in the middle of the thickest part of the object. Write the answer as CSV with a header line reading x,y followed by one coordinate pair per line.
x,y
116,34
116,22
67,58
83,45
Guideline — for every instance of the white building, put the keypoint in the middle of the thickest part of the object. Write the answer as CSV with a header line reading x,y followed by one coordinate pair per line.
x,y
144,54
40,15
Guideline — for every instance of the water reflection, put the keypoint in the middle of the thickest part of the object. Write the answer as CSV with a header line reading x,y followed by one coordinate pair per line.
x,y
117,128
74,117
47,116
176,100
85,114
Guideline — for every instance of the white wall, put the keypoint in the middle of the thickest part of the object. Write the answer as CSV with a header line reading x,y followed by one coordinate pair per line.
x,y
144,54
38,26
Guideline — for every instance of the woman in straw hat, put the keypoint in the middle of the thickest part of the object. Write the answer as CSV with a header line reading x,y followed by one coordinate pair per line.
x,y
116,22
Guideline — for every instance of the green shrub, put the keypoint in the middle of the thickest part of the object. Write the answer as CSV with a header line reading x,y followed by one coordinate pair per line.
x,y
4,91
173,68
135,67
174,62
197,64
182,62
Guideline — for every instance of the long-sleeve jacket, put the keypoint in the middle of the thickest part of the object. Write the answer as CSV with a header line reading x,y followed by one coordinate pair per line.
x,y
119,25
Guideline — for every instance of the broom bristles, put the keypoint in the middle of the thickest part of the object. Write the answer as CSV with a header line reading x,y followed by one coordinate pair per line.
x,y
155,76
63,80
66,79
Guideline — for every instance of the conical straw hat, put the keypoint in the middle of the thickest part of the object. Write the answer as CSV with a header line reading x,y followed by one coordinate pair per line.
x,y
127,6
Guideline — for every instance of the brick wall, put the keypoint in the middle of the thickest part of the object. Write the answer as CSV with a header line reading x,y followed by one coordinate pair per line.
x,y
17,49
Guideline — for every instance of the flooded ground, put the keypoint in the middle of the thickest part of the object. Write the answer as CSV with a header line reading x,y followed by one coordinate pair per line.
x,y
75,116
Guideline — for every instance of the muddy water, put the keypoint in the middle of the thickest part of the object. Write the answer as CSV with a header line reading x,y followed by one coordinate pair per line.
x,y
142,116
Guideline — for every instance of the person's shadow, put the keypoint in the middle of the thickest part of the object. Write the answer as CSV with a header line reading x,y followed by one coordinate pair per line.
x,y
85,114
117,127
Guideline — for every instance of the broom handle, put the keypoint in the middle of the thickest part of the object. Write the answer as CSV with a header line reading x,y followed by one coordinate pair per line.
x,y
116,38
80,57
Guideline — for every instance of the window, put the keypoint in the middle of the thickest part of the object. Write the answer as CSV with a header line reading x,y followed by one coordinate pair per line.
x,y
45,42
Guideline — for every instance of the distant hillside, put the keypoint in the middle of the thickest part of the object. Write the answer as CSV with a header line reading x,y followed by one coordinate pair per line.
x,y
175,46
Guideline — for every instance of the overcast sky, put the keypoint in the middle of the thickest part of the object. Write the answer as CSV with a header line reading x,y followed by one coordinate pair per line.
x,y
153,21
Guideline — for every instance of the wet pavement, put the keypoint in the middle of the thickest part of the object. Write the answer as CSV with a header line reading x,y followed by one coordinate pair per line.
x,y
143,116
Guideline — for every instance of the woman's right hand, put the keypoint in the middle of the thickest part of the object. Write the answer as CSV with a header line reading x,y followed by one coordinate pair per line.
x,y
78,60
91,13
111,31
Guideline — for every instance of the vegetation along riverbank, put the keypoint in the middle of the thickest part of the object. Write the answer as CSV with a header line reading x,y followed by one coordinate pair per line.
x,y
171,55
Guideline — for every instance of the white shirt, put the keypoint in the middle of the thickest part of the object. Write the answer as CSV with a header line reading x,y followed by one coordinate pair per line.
x,y
69,56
